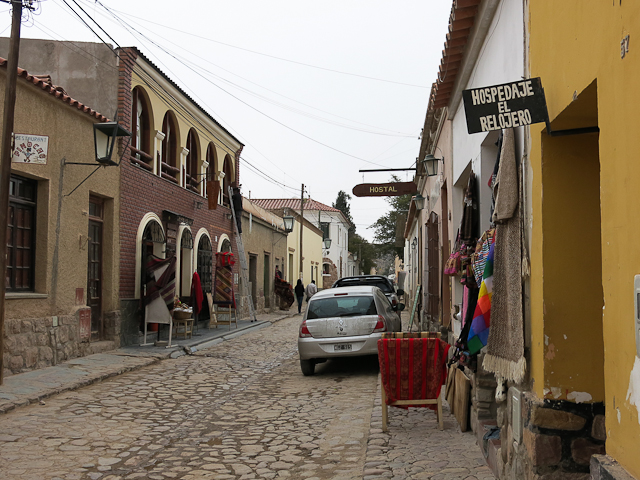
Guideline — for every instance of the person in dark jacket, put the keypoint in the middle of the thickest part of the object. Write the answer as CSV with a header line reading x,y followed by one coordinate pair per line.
x,y
236,201
299,291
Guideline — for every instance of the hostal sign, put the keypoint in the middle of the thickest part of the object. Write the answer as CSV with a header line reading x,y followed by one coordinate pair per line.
x,y
394,189
508,105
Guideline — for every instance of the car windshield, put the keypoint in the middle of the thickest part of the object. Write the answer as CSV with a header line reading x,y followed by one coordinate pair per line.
x,y
374,282
347,306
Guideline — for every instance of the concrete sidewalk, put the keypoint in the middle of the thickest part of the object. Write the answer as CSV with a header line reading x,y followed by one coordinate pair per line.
x,y
32,387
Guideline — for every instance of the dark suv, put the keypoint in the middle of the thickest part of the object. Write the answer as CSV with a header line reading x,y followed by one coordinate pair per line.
x,y
380,281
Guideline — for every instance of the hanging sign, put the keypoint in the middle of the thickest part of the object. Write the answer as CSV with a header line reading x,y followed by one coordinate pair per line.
x,y
394,189
30,149
508,105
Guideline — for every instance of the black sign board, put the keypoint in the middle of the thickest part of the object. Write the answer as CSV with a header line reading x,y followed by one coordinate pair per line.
x,y
505,106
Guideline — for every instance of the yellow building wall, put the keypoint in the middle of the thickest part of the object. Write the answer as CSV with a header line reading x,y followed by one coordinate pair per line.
x,y
311,252
159,107
571,45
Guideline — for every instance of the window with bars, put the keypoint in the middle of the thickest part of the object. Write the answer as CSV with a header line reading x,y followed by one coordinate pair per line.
x,y
21,234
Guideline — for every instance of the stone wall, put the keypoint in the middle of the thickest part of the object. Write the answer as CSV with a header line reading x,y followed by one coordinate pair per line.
x,y
34,343
558,439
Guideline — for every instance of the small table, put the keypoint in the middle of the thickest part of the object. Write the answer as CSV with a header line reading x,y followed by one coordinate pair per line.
x,y
187,327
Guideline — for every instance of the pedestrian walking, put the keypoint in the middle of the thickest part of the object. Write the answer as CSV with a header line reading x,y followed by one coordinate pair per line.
x,y
311,290
299,291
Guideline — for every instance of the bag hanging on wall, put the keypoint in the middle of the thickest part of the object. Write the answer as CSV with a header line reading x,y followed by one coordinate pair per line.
x,y
453,266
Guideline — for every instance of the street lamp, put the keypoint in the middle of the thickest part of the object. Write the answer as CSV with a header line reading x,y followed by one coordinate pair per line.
x,y
104,136
288,223
431,164
419,201
327,243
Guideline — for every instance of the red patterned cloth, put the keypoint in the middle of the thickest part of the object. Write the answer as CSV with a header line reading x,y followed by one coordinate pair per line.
x,y
412,368
223,293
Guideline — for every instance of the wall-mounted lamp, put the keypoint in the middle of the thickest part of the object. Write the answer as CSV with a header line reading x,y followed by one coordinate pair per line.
x,y
288,223
197,204
414,242
355,257
419,201
431,164
229,216
327,243
105,135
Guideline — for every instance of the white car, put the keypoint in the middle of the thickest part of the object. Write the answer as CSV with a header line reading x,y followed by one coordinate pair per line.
x,y
345,322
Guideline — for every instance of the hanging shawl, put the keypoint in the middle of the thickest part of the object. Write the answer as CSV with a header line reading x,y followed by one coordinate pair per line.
x,y
505,345
479,331
196,293
470,217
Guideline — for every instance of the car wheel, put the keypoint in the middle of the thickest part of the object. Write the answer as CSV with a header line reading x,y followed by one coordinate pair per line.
x,y
308,367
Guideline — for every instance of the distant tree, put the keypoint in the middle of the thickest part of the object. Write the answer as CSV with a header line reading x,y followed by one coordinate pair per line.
x,y
385,226
367,252
342,204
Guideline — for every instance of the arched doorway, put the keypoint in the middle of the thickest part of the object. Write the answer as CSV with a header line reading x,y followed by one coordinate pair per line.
x,y
205,264
152,243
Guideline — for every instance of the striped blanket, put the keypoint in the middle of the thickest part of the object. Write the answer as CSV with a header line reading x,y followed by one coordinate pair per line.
x,y
479,331
161,280
412,368
223,285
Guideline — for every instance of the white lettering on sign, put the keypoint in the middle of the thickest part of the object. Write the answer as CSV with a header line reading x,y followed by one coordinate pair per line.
x,y
501,93
505,120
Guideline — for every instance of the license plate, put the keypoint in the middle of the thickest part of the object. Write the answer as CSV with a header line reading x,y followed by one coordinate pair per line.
x,y
342,346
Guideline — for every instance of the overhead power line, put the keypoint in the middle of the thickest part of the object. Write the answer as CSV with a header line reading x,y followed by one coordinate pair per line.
x,y
269,55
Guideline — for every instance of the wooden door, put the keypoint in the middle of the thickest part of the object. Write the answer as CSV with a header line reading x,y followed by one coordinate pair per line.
x,y
94,268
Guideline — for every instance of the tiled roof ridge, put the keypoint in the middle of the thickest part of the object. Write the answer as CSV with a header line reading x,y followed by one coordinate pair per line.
x,y
312,204
43,81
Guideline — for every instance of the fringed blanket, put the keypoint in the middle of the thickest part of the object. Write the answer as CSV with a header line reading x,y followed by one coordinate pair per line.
x,y
161,280
479,331
412,368
223,285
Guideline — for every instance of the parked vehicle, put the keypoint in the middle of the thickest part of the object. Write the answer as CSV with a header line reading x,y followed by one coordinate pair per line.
x,y
380,281
345,322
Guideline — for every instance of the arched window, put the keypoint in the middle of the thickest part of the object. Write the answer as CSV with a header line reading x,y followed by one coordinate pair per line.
x,y
169,155
186,262
140,121
211,161
227,180
205,263
192,178
226,245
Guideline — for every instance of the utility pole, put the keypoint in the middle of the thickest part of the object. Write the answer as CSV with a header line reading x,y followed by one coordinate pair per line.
x,y
5,156
301,225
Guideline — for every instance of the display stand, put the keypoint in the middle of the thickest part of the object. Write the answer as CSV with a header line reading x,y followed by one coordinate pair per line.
x,y
216,310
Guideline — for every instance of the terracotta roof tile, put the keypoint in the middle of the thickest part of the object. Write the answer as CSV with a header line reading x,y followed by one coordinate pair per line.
x,y
292,203
44,82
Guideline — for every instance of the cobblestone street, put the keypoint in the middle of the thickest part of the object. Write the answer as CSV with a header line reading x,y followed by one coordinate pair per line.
x,y
239,410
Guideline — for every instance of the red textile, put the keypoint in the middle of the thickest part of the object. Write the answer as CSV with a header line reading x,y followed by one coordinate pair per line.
x,y
412,368
196,292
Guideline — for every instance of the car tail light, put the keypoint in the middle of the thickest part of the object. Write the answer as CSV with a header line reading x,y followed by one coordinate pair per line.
x,y
304,331
394,301
380,326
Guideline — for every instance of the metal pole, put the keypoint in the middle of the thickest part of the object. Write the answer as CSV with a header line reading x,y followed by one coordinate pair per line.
x,y
301,225
5,156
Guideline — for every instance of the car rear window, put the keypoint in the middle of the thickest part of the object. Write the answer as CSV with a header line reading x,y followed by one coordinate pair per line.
x,y
347,306
381,284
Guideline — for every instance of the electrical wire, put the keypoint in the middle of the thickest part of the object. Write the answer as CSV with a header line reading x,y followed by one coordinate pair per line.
x,y
194,65
259,111
189,117
268,55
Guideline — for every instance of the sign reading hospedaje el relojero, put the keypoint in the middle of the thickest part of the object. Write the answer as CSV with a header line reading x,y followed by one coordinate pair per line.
x,y
508,105
394,189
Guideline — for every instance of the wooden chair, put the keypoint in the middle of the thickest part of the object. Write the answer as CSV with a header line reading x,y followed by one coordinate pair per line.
x,y
183,326
427,366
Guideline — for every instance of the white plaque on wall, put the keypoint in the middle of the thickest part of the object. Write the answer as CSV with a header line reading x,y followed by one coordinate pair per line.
x,y
30,148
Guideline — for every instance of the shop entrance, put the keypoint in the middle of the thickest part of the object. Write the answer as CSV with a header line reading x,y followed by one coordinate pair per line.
x,y
572,257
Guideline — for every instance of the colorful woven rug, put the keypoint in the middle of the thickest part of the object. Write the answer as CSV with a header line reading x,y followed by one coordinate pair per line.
x,y
479,331
412,368
223,284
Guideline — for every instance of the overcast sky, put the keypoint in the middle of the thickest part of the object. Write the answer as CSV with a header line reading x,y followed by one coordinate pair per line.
x,y
317,123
